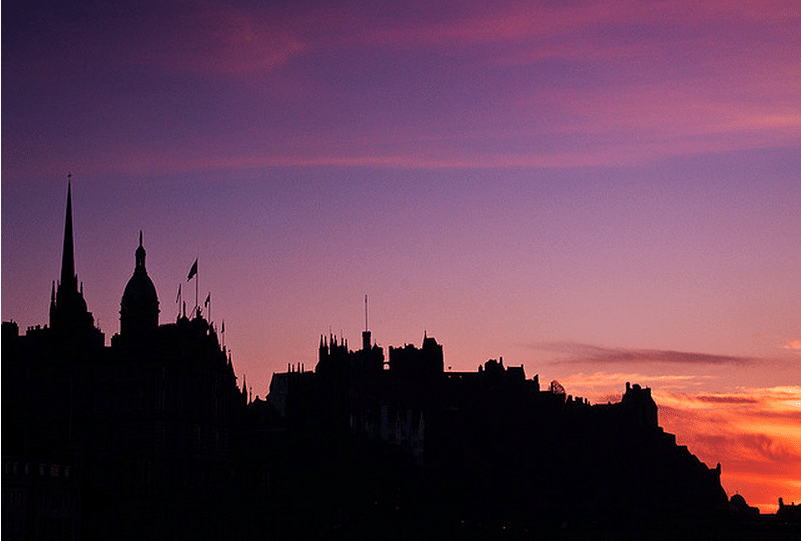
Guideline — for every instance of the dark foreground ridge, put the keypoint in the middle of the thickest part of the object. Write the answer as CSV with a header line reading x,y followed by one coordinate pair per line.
x,y
152,438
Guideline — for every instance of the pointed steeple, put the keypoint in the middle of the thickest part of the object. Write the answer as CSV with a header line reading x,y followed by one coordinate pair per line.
x,y
68,277
53,303
69,317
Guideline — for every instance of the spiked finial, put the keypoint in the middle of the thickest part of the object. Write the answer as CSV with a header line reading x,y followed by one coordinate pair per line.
x,y
140,256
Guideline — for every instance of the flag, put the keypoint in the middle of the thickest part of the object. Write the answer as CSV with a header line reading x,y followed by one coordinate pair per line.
x,y
178,298
192,271
208,300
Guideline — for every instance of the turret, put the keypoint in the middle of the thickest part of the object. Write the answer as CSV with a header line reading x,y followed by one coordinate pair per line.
x,y
639,406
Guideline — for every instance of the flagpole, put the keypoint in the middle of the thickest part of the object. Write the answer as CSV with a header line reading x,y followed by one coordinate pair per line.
x,y
193,274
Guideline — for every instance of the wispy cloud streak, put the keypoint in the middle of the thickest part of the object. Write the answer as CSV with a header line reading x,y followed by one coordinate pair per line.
x,y
577,352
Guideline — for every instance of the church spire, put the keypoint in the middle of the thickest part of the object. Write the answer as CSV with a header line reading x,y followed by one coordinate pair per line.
x,y
69,317
69,279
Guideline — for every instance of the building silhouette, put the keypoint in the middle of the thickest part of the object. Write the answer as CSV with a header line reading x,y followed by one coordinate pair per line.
x,y
152,438
126,441
493,446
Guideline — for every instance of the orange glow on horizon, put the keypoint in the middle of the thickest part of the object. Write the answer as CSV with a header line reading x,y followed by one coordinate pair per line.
x,y
754,433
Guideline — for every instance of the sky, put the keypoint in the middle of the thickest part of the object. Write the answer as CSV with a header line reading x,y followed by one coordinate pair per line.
x,y
600,191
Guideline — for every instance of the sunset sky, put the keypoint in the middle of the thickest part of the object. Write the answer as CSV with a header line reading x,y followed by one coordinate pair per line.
x,y
600,191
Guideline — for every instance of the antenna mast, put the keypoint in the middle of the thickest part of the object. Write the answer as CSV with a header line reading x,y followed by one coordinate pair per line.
x,y
366,341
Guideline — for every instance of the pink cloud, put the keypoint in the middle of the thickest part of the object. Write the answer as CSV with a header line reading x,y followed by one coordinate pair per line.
x,y
793,345
217,38
721,97
642,120
480,24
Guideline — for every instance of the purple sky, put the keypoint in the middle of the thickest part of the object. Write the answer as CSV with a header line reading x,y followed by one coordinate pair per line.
x,y
596,190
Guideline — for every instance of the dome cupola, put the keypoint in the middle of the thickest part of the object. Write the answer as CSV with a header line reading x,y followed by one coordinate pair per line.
x,y
139,309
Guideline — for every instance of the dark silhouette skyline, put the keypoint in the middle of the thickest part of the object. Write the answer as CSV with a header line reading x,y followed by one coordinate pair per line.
x,y
518,179
152,437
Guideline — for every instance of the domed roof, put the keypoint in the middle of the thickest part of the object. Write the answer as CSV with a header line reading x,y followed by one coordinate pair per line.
x,y
738,501
140,293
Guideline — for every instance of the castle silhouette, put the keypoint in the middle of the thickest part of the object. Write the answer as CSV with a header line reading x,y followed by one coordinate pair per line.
x,y
151,437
